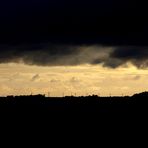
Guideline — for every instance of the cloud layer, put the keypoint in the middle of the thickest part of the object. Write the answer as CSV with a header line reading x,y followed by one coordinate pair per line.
x,y
46,54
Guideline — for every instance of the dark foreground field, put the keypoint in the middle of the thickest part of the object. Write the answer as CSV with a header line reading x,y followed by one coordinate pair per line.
x,y
137,103
88,117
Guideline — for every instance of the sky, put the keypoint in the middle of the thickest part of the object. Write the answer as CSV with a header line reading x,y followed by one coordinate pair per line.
x,y
76,47
73,70
20,79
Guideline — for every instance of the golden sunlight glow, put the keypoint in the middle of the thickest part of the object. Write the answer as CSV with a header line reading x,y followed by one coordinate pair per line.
x,y
19,79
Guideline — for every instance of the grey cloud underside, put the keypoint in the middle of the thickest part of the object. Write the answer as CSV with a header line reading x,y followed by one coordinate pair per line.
x,y
62,55
136,55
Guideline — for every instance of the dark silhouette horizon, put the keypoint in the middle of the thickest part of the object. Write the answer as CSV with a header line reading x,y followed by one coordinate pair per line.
x,y
76,104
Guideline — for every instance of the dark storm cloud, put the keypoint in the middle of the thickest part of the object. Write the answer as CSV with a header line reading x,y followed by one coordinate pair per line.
x,y
136,55
130,53
34,52
74,29
46,54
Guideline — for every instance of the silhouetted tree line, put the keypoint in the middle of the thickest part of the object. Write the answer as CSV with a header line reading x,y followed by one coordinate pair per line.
x,y
82,103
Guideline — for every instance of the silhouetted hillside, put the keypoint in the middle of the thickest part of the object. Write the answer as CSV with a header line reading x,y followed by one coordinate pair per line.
x,y
94,103
90,113
143,95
